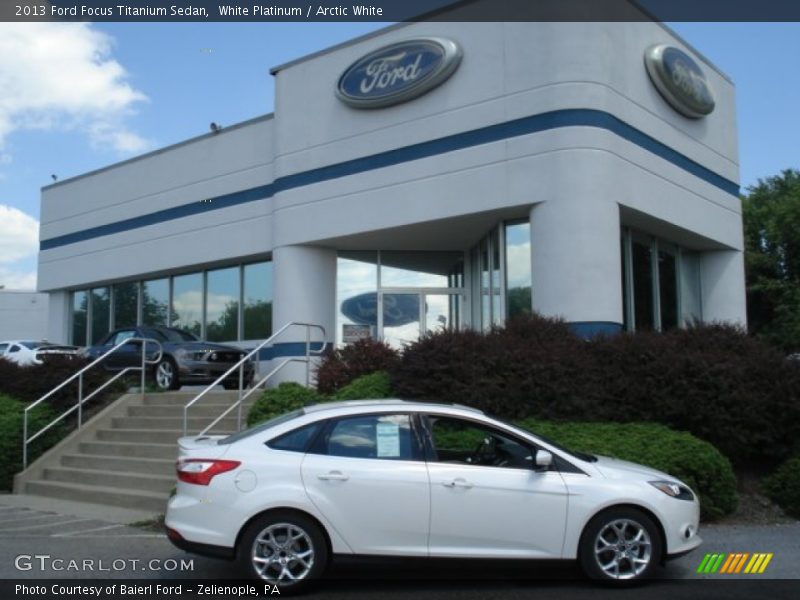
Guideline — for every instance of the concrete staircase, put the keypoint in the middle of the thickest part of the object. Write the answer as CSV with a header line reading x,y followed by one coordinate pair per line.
x,y
125,456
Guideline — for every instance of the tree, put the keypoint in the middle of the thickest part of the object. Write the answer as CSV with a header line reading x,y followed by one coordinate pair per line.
x,y
771,214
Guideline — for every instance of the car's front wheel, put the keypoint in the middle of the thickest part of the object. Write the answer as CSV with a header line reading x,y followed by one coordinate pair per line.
x,y
620,544
166,375
283,548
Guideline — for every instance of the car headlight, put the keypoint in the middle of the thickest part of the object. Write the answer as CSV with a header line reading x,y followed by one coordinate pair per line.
x,y
191,355
672,489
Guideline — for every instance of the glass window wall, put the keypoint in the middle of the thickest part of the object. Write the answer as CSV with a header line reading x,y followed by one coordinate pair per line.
x,y
518,269
257,295
80,314
155,302
187,303
126,304
100,313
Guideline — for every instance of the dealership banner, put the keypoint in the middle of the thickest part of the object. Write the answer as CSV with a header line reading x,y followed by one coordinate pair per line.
x,y
398,10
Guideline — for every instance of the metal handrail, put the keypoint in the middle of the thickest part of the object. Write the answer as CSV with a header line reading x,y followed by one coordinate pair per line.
x,y
79,375
240,365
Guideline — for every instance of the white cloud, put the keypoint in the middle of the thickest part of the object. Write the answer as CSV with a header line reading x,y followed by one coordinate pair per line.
x,y
16,280
62,76
19,234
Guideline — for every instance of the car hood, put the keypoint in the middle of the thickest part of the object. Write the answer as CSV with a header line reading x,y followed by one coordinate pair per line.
x,y
613,468
198,346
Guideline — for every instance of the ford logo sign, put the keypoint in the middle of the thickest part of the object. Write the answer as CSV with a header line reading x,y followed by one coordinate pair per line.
x,y
679,80
398,72
398,309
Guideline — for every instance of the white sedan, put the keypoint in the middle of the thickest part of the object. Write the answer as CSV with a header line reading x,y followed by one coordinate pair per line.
x,y
396,478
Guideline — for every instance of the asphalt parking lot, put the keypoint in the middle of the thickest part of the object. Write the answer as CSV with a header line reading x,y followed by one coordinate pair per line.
x,y
41,544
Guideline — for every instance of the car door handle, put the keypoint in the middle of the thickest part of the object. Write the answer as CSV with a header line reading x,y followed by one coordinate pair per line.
x,y
333,476
459,482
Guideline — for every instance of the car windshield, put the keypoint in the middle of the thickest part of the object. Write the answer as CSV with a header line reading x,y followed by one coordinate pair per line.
x,y
263,426
33,345
169,335
585,456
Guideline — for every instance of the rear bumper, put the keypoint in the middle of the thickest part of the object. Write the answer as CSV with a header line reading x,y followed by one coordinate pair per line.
x,y
197,548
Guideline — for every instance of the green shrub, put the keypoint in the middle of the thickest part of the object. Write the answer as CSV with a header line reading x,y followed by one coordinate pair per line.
x,y
680,454
374,385
783,486
286,397
343,365
714,381
11,411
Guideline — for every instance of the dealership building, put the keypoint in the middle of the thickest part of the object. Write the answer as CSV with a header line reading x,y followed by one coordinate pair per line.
x,y
430,175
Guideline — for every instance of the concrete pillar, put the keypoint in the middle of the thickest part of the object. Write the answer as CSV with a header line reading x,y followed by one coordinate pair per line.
x,y
304,291
576,262
723,287
58,318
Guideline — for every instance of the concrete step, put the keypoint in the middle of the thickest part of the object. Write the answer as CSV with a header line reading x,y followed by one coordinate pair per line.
x,y
150,466
116,479
132,499
131,450
176,410
174,423
145,436
181,399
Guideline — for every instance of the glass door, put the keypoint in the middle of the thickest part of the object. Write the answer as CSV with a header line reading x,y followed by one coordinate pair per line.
x,y
407,315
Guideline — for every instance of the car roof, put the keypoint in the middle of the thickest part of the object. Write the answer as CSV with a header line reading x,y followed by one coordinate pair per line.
x,y
385,403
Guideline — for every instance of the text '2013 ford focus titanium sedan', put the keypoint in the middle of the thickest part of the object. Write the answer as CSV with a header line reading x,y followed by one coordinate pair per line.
x,y
397,478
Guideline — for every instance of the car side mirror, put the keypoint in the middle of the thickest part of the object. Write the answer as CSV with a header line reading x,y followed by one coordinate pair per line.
x,y
543,460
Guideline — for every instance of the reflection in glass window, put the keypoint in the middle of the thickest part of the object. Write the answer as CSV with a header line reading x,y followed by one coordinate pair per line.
x,y
667,288
356,296
486,298
222,305
642,286
155,302
101,313
257,294
419,269
691,305
401,315
80,311
385,437
187,303
518,269
126,304
461,441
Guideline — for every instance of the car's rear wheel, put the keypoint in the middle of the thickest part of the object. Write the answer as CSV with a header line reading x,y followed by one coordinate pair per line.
x,y
166,375
283,548
620,545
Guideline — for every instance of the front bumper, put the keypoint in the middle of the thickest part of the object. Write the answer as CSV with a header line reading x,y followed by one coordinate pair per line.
x,y
201,371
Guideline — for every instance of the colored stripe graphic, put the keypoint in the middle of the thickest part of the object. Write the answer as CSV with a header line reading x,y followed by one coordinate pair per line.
x,y
729,564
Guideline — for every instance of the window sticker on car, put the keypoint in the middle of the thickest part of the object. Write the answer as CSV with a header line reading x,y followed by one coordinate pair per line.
x,y
388,440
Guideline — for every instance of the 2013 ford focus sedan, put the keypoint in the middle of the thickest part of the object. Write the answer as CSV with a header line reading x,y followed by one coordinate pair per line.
x,y
400,478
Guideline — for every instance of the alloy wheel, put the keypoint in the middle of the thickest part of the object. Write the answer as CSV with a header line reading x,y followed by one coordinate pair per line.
x,y
165,375
283,553
623,549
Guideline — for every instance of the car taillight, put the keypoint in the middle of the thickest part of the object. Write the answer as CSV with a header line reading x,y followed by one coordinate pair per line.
x,y
201,471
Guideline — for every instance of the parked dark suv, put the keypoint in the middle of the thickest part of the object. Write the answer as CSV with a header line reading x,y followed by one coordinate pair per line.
x,y
186,360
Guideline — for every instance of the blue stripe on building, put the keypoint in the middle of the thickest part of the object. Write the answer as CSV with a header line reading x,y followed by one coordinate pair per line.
x,y
577,117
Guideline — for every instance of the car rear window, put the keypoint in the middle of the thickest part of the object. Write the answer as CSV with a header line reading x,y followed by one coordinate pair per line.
x,y
284,418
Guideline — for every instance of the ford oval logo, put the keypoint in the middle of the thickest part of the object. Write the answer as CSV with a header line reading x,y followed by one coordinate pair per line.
x,y
398,72
398,309
680,80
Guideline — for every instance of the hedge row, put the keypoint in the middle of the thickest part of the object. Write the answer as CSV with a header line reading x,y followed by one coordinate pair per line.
x,y
714,381
783,486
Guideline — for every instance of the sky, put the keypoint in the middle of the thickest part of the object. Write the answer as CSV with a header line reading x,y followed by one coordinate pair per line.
x,y
77,97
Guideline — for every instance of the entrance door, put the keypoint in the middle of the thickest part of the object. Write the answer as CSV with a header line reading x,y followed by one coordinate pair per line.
x,y
404,316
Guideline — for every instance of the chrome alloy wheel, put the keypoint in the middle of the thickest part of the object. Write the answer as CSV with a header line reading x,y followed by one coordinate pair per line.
x,y
623,549
283,553
165,374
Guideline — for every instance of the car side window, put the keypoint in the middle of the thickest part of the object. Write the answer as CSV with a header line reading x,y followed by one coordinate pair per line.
x,y
3,348
121,337
296,440
461,441
382,437
14,348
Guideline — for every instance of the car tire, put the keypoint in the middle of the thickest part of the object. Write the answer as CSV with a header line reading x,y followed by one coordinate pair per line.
x,y
620,545
283,548
165,375
232,385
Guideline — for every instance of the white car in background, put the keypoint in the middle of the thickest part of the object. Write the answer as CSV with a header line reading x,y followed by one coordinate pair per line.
x,y
396,478
30,352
